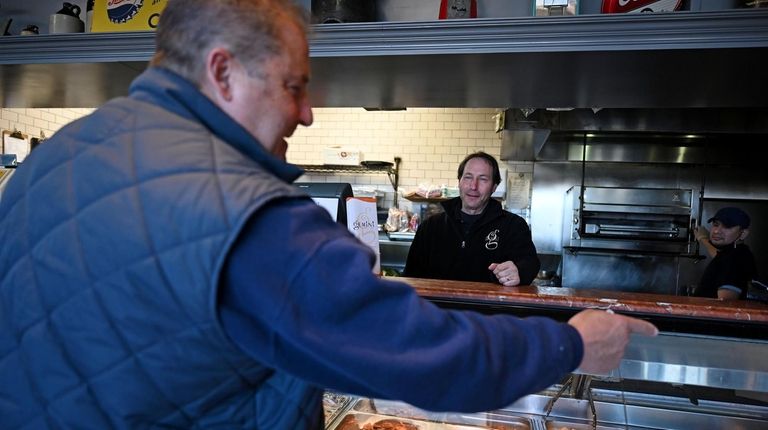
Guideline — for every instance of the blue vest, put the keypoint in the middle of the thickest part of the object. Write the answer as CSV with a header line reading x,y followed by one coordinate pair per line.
x,y
115,232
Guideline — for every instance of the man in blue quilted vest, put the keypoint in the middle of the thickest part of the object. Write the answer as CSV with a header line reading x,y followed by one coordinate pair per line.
x,y
160,270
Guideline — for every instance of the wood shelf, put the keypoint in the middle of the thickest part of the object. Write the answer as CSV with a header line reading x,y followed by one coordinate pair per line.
x,y
417,199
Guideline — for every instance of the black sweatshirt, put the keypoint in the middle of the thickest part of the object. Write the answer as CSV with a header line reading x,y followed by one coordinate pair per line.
x,y
440,249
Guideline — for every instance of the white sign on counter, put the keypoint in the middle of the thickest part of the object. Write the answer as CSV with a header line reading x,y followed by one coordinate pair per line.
x,y
363,223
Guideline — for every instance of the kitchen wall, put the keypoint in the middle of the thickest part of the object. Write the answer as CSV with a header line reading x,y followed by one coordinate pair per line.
x,y
34,121
430,141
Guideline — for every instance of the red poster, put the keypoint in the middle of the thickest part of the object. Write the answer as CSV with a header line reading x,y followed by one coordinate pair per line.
x,y
636,6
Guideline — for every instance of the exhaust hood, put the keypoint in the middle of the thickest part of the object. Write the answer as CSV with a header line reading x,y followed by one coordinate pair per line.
x,y
686,136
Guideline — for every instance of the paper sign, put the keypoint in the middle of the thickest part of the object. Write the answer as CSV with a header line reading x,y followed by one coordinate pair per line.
x,y
363,223
14,145
329,204
518,191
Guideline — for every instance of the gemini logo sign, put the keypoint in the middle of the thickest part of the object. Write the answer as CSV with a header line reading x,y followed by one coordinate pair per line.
x,y
492,240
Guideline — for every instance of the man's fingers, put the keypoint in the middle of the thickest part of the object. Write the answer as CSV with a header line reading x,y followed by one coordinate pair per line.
x,y
641,327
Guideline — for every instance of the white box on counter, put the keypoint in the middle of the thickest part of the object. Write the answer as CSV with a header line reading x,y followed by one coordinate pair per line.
x,y
342,156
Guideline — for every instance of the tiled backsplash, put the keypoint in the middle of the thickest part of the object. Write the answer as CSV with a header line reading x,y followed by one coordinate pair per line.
x,y
35,121
430,141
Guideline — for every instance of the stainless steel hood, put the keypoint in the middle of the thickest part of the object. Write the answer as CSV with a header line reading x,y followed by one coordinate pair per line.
x,y
665,60
687,136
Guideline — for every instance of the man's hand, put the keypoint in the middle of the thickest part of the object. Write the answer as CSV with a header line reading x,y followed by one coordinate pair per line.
x,y
506,273
701,233
605,336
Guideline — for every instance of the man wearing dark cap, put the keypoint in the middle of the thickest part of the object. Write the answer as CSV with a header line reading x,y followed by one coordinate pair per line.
x,y
733,265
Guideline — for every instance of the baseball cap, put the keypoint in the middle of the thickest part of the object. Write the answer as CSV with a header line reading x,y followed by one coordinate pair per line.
x,y
731,216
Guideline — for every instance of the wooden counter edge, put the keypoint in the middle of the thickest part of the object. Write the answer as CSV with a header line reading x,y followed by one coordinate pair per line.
x,y
628,303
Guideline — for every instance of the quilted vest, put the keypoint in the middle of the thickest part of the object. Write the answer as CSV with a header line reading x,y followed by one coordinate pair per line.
x,y
107,293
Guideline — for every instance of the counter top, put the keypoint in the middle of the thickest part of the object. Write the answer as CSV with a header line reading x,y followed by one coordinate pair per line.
x,y
576,299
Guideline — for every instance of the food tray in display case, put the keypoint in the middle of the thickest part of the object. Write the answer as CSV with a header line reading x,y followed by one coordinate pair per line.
x,y
366,414
333,404
365,421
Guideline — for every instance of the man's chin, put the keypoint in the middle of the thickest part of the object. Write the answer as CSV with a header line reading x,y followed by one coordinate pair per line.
x,y
280,149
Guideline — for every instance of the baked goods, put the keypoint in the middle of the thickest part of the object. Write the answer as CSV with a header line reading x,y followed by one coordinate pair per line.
x,y
349,422
390,424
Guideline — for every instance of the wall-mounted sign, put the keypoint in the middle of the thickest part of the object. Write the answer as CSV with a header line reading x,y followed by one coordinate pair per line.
x,y
555,7
126,15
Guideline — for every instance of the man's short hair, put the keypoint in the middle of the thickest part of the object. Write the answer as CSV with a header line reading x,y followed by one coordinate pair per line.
x,y
489,159
250,29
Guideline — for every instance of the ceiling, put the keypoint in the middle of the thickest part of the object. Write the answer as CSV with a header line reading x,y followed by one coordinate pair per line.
x,y
681,60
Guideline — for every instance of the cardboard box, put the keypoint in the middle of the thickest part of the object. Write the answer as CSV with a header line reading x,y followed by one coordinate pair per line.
x,y
339,155
126,15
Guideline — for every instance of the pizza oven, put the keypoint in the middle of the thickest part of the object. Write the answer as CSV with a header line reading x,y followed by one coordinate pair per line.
x,y
635,220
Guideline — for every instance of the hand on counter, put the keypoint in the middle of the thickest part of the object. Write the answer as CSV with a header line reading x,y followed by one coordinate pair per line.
x,y
506,273
605,336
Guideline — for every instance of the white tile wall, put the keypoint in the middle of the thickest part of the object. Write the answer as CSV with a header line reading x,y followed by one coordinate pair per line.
x,y
33,122
430,141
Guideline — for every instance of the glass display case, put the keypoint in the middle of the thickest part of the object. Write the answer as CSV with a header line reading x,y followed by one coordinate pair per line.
x,y
705,370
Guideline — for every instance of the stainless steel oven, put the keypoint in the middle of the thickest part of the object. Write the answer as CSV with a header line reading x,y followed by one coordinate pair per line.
x,y
628,239
638,220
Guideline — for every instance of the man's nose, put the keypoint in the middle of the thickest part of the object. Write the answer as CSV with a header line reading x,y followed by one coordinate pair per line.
x,y
305,115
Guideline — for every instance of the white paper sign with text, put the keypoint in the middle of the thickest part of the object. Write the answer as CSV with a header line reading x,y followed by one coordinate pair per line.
x,y
362,222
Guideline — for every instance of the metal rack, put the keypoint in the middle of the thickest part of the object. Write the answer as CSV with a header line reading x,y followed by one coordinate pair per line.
x,y
393,172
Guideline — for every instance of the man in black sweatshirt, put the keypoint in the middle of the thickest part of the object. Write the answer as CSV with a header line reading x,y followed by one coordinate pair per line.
x,y
474,239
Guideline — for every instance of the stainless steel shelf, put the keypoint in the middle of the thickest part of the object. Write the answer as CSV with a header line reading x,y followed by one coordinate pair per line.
x,y
682,59
615,32
393,171
357,170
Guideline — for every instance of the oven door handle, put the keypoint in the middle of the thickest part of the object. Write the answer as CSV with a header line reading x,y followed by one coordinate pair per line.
x,y
636,229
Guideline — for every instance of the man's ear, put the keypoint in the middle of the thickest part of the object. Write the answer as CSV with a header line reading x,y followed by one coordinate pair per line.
x,y
219,66
744,234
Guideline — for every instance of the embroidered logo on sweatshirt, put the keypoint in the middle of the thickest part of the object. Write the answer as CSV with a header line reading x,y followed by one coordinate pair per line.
x,y
492,240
